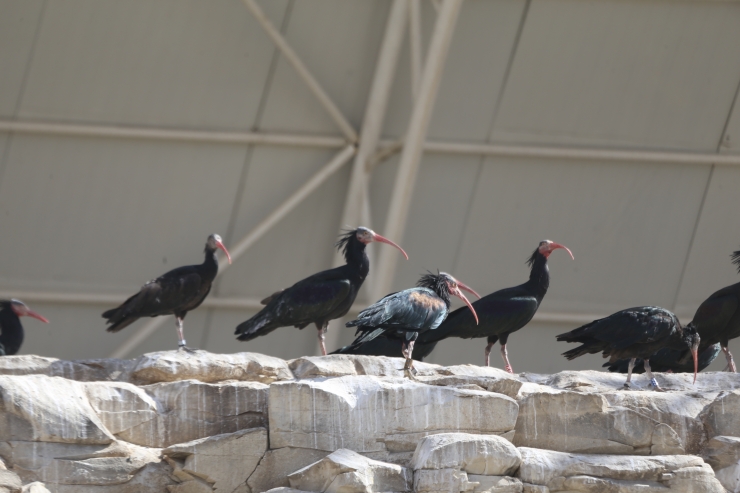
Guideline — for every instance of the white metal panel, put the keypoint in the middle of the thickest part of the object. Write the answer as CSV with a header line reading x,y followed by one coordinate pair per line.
x,y
628,225
473,75
98,214
184,63
18,24
717,235
638,73
302,243
338,40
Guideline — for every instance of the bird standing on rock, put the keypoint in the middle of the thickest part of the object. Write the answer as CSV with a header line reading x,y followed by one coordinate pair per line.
x,y
666,360
406,314
718,318
11,330
176,292
504,311
635,333
321,297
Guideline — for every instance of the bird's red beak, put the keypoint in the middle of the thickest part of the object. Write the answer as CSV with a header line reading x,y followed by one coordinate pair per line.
x,y
456,291
555,246
221,246
37,316
382,239
468,289
695,355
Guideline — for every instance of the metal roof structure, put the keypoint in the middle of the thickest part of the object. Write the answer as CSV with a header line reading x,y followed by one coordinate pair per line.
x,y
466,131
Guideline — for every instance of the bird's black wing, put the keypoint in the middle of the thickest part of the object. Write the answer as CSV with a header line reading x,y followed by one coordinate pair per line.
x,y
639,325
715,312
305,302
413,310
161,296
496,315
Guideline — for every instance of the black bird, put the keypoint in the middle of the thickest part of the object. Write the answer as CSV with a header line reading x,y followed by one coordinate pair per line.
x,y
392,347
635,333
406,314
11,330
176,292
504,311
718,318
321,297
666,360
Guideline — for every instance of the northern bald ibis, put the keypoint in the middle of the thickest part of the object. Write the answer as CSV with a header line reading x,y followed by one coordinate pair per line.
x,y
504,311
633,333
666,360
176,292
391,347
718,318
406,314
321,297
11,330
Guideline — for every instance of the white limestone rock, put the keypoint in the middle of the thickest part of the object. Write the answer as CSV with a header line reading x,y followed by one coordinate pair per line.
x,y
723,454
345,471
495,484
475,454
35,487
450,480
285,489
48,409
722,417
372,414
340,365
9,481
170,366
79,370
276,465
189,410
561,471
224,461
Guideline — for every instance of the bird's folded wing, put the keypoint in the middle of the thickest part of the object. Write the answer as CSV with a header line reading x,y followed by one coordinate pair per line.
x,y
166,293
307,299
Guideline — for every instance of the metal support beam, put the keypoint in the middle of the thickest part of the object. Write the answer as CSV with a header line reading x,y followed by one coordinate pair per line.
x,y
415,44
214,137
415,135
303,72
250,239
356,204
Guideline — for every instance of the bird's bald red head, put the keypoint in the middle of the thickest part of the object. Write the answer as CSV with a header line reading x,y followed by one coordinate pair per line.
x,y
367,235
454,286
547,247
214,242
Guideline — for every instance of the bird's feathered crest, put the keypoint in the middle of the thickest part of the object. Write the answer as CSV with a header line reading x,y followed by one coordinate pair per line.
x,y
533,257
343,242
736,259
435,282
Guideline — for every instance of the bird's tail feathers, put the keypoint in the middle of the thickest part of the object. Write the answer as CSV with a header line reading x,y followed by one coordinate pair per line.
x,y
256,326
580,351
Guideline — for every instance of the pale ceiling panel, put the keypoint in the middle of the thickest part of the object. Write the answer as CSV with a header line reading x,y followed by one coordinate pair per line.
x,y
437,216
637,73
18,24
709,267
628,225
98,214
338,41
474,71
302,243
183,63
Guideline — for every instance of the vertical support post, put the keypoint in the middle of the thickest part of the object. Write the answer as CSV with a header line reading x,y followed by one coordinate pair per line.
x,y
415,135
356,205
415,44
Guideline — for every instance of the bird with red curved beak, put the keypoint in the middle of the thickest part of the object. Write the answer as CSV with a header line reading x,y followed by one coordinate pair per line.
x,y
406,314
11,329
175,292
321,297
638,332
501,312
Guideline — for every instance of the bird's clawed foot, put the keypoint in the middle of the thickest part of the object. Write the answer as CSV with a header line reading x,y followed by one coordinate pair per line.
x,y
409,370
655,386
509,369
183,347
627,386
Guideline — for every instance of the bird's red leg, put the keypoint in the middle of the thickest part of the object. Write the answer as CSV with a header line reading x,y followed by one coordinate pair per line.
x,y
180,336
404,350
505,355
730,361
408,368
488,353
630,366
322,336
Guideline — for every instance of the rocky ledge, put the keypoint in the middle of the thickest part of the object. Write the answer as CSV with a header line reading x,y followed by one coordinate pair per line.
x,y
198,423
